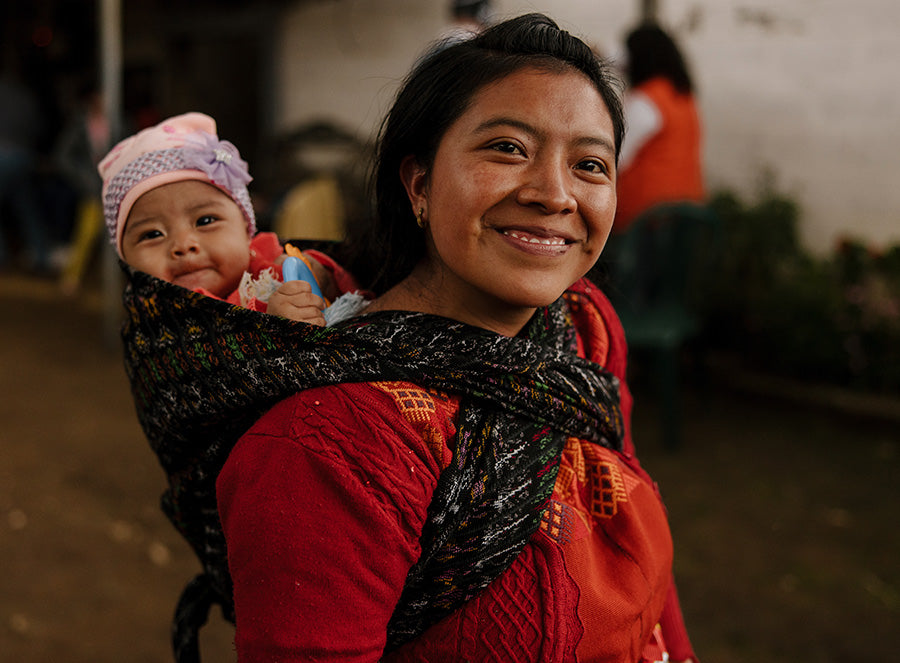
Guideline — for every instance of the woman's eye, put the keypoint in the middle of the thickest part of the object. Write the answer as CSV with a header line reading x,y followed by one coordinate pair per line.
x,y
205,220
593,166
506,147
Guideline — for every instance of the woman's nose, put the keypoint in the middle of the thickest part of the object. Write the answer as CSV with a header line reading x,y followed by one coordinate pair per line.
x,y
549,186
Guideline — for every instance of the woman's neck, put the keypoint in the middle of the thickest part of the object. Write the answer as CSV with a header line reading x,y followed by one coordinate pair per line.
x,y
424,292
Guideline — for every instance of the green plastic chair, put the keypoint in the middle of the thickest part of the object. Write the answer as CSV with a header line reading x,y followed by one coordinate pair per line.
x,y
652,266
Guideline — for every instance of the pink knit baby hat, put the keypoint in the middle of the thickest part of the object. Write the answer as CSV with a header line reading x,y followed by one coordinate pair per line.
x,y
181,148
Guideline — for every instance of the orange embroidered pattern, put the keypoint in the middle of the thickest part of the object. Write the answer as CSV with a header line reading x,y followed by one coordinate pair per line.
x,y
416,405
590,486
607,490
555,522
418,408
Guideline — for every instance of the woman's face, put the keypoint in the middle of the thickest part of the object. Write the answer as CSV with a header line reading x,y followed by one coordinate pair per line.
x,y
520,199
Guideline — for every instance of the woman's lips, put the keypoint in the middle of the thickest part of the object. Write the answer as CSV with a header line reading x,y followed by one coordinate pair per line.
x,y
534,239
537,244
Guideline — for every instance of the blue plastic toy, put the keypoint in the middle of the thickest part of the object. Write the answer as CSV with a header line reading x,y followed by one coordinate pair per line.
x,y
296,269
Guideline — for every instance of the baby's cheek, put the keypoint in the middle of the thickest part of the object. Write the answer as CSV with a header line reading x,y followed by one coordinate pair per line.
x,y
147,263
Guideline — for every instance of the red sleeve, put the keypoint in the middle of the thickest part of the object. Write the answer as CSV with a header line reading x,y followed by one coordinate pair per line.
x,y
322,504
675,635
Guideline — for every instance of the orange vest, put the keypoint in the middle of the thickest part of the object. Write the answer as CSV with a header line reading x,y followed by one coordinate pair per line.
x,y
668,167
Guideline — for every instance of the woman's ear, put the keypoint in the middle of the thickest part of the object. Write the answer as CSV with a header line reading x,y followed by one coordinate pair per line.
x,y
415,181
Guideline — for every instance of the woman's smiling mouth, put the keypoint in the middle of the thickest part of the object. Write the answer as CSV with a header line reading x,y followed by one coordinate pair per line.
x,y
532,239
538,244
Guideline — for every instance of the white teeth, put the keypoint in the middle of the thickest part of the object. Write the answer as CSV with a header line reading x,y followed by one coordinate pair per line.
x,y
535,240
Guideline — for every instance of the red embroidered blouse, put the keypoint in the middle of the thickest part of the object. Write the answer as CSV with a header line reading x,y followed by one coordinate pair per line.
x,y
323,501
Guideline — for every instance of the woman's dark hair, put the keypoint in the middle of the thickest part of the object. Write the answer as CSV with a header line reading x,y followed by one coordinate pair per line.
x,y
652,53
433,96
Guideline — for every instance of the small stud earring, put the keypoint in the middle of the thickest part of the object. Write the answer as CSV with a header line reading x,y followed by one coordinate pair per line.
x,y
420,221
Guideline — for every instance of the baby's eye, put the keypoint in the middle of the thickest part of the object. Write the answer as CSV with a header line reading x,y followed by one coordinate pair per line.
x,y
205,220
593,166
148,235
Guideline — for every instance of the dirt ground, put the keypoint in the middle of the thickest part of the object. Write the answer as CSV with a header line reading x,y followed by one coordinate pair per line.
x,y
785,517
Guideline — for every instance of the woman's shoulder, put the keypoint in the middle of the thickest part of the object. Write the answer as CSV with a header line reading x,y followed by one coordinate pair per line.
x,y
380,446
600,333
591,293
367,422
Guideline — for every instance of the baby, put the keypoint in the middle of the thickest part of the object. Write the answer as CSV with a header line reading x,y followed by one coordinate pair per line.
x,y
176,206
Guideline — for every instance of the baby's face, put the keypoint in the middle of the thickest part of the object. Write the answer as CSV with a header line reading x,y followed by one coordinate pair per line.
x,y
189,233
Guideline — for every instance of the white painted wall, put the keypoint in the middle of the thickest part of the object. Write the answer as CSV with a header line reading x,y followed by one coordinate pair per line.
x,y
344,59
809,89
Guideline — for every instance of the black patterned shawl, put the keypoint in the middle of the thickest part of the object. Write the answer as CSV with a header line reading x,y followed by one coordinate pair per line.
x,y
203,371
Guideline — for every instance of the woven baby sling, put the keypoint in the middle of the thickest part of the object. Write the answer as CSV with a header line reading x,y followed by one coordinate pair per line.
x,y
203,371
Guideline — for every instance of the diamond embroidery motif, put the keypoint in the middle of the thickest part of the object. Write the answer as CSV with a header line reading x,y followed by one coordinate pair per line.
x,y
555,522
607,490
416,405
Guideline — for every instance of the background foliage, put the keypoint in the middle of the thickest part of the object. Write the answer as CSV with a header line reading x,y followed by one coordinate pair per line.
x,y
834,318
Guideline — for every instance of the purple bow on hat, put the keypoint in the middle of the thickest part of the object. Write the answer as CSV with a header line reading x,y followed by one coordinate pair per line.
x,y
219,159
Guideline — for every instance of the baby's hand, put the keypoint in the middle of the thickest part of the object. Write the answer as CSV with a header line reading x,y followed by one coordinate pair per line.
x,y
294,300
324,278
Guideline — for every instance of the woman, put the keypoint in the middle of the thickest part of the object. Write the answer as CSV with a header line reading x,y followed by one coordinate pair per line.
x,y
661,160
479,501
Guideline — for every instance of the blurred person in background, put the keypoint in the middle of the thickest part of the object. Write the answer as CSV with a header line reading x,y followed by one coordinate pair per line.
x,y
661,158
72,198
84,139
21,219
467,19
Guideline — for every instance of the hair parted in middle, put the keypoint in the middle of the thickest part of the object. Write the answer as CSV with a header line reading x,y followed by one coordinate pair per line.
x,y
435,94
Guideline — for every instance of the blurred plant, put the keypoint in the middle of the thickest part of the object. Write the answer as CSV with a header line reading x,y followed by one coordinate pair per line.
x,y
871,315
835,319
